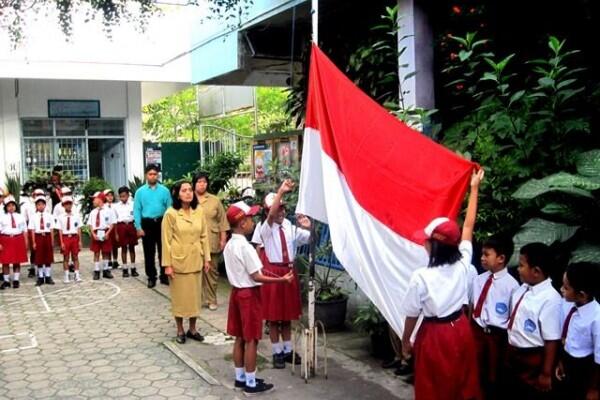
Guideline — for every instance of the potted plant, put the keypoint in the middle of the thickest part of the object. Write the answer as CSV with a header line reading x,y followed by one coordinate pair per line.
x,y
369,320
331,301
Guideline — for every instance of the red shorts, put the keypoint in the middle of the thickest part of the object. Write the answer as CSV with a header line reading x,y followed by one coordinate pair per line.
x,y
13,249
244,319
280,301
127,235
101,247
43,254
71,245
491,349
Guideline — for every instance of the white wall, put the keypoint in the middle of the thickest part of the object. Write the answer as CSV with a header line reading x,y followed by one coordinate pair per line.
x,y
10,131
133,129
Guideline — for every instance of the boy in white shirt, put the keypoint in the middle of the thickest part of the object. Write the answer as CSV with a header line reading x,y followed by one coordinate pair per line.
x,y
41,227
244,320
109,194
101,225
125,233
68,224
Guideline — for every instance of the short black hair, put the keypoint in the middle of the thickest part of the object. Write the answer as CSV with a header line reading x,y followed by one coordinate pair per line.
x,y
198,176
583,277
151,167
124,189
538,255
502,245
443,254
175,195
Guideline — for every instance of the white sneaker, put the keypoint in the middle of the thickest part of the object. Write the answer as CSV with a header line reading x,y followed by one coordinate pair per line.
x,y
66,280
78,279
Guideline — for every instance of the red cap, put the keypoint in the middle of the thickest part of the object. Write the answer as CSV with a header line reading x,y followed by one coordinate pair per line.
x,y
99,195
238,211
441,229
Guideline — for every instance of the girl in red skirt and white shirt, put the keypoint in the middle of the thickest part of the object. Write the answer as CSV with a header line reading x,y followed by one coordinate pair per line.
x,y
444,348
13,242
281,303
41,226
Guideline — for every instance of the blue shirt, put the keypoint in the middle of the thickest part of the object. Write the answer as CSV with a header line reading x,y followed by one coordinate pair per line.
x,y
150,203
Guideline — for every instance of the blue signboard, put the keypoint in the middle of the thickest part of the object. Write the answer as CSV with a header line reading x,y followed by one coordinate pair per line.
x,y
73,109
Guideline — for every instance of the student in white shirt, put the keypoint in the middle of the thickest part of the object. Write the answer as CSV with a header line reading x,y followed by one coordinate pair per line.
x,y
68,224
113,262
125,234
28,210
13,242
41,227
101,224
444,349
579,365
244,320
533,327
492,291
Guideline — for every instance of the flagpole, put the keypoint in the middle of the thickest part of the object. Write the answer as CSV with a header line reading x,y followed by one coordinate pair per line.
x,y
315,21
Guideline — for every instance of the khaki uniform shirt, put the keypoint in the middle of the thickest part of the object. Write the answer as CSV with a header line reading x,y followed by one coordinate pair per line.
x,y
185,245
216,219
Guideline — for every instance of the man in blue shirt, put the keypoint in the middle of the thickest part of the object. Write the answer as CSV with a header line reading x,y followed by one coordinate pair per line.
x,y
150,204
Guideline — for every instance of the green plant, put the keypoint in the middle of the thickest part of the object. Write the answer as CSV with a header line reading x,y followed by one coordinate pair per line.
x,y
41,178
13,186
369,320
92,186
135,184
327,287
221,168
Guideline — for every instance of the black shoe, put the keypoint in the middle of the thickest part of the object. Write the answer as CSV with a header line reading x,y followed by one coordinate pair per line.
x,y
242,384
31,273
288,358
115,265
72,268
134,272
96,275
107,274
391,364
151,283
410,379
40,282
279,361
180,339
164,280
16,284
125,272
195,336
48,280
403,370
258,389
5,285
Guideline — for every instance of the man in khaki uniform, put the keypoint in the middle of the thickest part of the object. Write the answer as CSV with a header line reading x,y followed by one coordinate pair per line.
x,y
217,232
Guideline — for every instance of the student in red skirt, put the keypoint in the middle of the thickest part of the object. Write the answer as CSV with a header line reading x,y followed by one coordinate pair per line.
x,y
41,227
113,262
68,224
579,365
101,225
281,303
125,233
445,359
244,320
13,242
492,291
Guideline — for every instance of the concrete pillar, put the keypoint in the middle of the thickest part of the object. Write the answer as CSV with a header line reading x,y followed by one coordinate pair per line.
x,y
10,130
133,130
414,23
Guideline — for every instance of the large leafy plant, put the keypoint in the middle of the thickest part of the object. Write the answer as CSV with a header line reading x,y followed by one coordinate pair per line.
x,y
369,319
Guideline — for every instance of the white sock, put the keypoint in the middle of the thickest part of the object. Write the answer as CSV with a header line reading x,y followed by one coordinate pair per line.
x,y
105,264
240,375
287,346
47,271
277,347
125,266
76,273
6,278
66,275
97,266
41,271
251,379
16,276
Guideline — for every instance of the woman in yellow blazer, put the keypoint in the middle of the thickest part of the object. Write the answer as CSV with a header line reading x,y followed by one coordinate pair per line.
x,y
185,251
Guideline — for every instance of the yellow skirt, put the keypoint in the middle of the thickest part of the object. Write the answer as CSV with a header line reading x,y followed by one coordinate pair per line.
x,y
186,291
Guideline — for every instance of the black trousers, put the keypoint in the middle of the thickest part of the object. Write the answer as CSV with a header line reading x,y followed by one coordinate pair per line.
x,y
150,241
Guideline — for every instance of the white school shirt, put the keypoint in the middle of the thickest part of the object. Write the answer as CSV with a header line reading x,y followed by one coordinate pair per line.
x,y
497,302
106,219
61,223
256,235
538,316
241,261
271,240
6,224
439,291
27,209
583,336
35,220
111,211
123,211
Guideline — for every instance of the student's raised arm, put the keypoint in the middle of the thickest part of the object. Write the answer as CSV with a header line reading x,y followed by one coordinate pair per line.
x,y
286,187
469,224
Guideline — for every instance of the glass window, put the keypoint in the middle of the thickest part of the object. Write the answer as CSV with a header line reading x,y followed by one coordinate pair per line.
x,y
106,127
70,127
36,127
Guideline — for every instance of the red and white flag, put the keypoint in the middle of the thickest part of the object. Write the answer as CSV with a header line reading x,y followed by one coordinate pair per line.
x,y
376,182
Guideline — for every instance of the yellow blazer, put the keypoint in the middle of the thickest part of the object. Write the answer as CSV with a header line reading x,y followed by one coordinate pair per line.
x,y
185,242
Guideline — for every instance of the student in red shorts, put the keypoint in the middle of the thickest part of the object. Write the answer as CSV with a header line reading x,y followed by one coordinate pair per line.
x,y
41,225
68,224
125,233
101,225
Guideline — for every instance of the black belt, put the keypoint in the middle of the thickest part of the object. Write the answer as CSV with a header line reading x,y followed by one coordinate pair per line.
x,y
157,219
448,318
490,330
526,350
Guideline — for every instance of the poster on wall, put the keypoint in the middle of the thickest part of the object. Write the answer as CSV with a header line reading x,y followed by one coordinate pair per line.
x,y
154,156
262,159
287,153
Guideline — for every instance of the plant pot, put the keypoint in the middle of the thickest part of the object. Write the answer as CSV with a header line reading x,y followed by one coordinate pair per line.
x,y
381,346
331,313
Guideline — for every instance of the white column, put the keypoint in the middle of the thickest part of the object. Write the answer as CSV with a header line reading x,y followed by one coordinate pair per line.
x,y
134,142
414,22
10,130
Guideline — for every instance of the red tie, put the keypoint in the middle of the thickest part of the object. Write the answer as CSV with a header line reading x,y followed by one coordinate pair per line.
x,y
514,313
98,219
12,219
284,249
567,322
68,222
483,296
41,221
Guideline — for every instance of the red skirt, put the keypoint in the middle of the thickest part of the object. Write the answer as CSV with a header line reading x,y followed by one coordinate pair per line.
x,y
280,301
71,245
43,254
446,361
14,250
244,318
127,235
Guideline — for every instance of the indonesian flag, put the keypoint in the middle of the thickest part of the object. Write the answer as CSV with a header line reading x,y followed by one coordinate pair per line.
x,y
376,182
